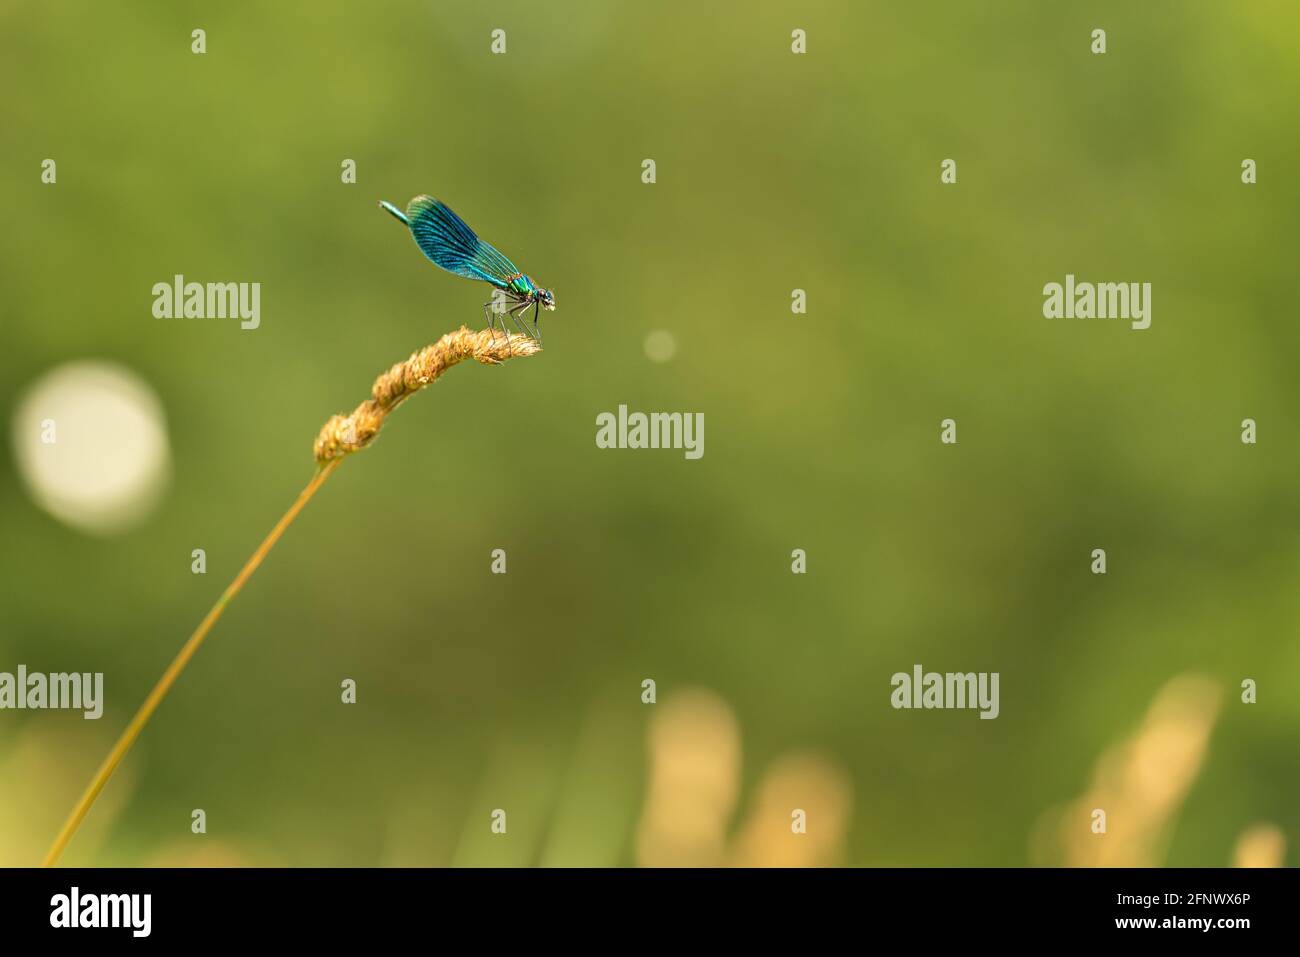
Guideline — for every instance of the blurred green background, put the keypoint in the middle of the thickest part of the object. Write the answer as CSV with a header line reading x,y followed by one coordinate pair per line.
x,y
775,171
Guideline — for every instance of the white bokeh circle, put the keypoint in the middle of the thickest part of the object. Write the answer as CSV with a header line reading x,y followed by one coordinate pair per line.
x,y
660,345
90,440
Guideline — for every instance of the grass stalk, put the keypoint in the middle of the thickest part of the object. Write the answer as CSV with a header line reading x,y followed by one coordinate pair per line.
x,y
340,436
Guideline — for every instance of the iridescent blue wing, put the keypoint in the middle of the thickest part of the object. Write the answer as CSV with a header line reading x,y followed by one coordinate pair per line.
x,y
453,246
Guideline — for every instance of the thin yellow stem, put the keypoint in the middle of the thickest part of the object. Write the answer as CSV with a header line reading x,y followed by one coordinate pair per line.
x,y
178,664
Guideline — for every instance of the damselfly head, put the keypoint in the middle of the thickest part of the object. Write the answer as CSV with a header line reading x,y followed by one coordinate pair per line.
x,y
546,298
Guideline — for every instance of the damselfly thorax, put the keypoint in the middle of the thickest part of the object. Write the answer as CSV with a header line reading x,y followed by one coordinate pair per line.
x,y
451,245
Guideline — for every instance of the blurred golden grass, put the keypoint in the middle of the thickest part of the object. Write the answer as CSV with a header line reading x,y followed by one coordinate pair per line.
x,y
1260,845
812,784
1141,783
694,784
694,754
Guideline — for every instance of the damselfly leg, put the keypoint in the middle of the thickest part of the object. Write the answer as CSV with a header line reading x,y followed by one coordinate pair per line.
x,y
537,308
515,308
515,313
489,313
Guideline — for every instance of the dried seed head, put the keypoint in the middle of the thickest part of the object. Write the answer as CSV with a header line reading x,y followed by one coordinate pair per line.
x,y
344,434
